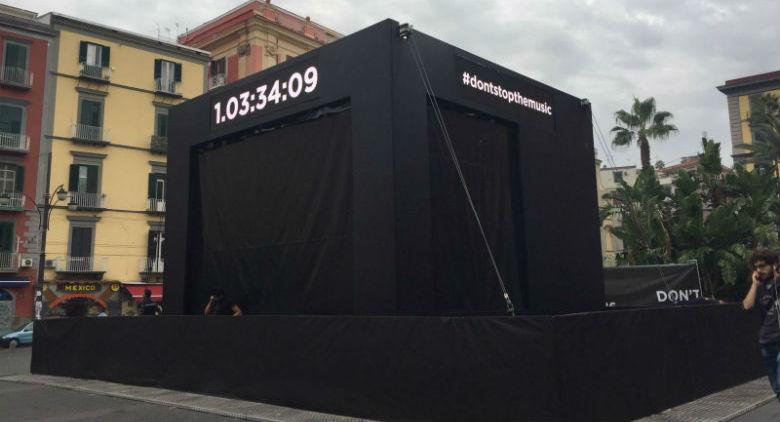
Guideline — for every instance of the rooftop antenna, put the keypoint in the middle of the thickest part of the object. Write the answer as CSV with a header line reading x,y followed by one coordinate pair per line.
x,y
158,29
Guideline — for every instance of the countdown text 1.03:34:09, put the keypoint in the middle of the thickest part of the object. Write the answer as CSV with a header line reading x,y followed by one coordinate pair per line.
x,y
248,102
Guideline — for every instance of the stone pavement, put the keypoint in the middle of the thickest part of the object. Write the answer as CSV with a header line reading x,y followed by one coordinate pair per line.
x,y
723,406
237,409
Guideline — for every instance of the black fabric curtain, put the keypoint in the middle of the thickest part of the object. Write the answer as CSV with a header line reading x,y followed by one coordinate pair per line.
x,y
464,281
276,211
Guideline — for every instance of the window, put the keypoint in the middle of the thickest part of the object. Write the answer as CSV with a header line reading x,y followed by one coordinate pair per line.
x,y
157,186
15,62
166,75
217,67
156,245
94,55
161,123
11,119
91,112
81,242
7,236
7,178
617,176
83,178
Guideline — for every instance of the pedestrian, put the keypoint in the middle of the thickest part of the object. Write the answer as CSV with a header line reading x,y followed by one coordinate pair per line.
x,y
148,306
763,294
219,304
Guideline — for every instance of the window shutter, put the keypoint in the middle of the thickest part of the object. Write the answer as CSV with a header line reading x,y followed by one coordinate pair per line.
x,y
83,52
73,181
19,179
177,72
106,57
6,236
152,183
92,179
157,66
81,242
151,249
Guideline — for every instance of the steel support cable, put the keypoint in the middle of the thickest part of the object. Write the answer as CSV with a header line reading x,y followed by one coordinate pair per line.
x,y
417,58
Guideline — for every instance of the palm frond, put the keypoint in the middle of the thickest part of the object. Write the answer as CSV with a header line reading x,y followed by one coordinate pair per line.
x,y
661,117
623,136
645,110
627,119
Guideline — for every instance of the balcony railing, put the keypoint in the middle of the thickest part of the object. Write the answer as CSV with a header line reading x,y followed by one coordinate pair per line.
x,y
16,76
96,73
166,86
155,205
80,264
90,134
216,80
9,262
86,200
14,142
152,265
11,201
159,144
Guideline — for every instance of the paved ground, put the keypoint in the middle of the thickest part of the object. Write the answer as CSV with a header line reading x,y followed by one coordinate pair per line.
x,y
25,397
15,361
30,402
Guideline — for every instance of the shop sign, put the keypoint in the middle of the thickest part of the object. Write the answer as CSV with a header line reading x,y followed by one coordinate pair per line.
x,y
80,287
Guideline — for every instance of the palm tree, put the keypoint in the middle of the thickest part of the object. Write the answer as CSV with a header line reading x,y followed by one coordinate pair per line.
x,y
642,124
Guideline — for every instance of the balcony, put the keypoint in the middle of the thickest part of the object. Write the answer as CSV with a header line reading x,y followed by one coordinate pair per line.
x,y
159,144
154,205
166,87
216,80
87,201
95,73
14,142
152,265
12,201
9,262
80,265
16,77
94,135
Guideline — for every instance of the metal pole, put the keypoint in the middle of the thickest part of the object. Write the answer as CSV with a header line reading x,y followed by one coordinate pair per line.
x,y
42,258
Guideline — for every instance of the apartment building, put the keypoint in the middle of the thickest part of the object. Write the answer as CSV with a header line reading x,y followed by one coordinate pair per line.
x,y
254,36
107,138
24,46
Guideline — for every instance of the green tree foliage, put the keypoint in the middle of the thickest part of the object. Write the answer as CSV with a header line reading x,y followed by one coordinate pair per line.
x,y
764,122
640,210
716,220
642,124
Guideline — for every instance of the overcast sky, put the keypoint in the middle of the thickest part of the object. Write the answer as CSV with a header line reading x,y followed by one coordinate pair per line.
x,y
605,50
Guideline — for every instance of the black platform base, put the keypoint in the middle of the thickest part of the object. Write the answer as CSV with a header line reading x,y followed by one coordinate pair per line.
x,y
602,366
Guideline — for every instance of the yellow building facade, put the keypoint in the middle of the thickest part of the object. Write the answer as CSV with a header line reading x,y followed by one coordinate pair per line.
x,y
106,137
741,94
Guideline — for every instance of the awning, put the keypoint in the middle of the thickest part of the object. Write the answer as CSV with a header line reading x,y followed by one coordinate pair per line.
x,y
137,290
15,282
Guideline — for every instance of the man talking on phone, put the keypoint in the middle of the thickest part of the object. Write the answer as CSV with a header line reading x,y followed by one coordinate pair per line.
x,y
763,294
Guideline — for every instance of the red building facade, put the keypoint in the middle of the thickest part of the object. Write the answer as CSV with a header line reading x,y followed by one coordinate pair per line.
x,y
254,36
24,45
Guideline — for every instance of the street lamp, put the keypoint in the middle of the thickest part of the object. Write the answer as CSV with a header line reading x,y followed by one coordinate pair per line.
x,y
44,212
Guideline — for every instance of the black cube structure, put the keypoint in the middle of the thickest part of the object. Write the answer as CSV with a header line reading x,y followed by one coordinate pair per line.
x,y
324,186
322,195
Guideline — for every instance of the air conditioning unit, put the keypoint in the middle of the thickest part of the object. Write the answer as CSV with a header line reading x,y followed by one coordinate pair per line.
x,y
49,263
27,262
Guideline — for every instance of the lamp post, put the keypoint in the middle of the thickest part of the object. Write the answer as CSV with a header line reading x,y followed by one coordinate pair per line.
x,y
44,211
